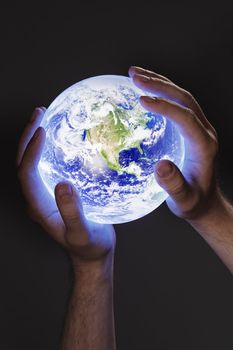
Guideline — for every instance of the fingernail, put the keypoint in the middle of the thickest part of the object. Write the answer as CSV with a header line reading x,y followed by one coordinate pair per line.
x,y
137,68
163,170
35,113
34,116
142,78
65,190
149,99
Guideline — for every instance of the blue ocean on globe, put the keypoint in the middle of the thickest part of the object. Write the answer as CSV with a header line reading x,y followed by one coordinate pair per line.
x,y
100,138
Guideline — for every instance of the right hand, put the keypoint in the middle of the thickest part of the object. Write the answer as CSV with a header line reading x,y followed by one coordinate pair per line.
x,y
194,192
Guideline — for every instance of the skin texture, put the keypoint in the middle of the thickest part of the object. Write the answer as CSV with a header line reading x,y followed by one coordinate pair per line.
x,y
194,195
90,321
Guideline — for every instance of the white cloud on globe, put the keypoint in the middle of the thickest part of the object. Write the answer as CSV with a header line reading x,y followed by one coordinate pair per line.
x,y
100,138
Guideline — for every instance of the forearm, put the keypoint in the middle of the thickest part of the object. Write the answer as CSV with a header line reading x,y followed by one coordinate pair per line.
x,y
90,320
216,227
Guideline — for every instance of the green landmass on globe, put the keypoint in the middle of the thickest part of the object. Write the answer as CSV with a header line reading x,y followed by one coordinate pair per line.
x,y
115,134
101,139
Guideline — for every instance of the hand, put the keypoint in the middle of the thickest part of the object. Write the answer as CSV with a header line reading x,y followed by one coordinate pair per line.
x,y
63,219
194,192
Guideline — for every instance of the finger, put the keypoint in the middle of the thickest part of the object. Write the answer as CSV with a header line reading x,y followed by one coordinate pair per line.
x,y
138,70
28,132
71,210
184,118
32,154
41,204
172,92
170,178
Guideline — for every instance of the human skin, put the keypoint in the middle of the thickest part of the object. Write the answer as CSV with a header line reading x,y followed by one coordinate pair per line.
x,y
90,320
194,194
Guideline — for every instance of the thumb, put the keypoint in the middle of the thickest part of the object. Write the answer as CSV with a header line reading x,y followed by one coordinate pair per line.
x,y
170,178
71,210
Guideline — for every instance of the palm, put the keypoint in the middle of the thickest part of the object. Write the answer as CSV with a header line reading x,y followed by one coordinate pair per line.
x,y
43,207
44,210
198,172
194,186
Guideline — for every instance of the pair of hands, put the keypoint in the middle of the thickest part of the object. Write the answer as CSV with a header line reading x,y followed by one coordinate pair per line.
x,y
192,193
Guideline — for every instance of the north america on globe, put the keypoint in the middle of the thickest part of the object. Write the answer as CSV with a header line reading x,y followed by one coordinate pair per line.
x,y
100,138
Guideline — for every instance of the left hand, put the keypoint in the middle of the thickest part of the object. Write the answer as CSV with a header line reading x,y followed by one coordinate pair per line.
x,y
63,219
194,192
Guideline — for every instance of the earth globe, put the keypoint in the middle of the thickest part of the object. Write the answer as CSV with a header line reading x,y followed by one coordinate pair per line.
x,y
100,138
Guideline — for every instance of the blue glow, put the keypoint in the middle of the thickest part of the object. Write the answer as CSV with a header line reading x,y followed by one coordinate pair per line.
x,y
101,139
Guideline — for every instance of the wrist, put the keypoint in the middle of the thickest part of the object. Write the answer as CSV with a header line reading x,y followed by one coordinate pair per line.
x,y
94,271
219,212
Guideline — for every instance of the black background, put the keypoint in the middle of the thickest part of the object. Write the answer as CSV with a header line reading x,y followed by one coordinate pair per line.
x,y
171,291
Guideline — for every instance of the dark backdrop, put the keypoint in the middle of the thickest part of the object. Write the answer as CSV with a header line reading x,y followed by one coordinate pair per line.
x,y
171,291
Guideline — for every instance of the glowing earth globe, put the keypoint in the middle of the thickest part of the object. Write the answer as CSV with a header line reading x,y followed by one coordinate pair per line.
x,y
100,138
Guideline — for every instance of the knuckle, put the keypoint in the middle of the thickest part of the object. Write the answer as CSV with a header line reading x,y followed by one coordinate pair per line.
x,y
191,205
78,238
191,116
177,189
188,98
215,134
213,146
71,219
